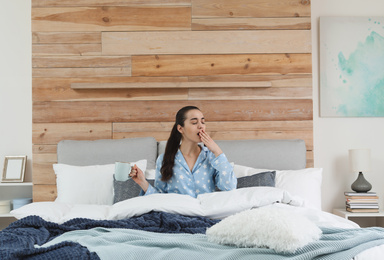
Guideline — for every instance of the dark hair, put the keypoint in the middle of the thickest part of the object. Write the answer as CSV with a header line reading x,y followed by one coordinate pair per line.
x,y
173,144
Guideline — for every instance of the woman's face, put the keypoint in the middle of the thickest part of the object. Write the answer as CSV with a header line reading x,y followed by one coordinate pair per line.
x,y
193,124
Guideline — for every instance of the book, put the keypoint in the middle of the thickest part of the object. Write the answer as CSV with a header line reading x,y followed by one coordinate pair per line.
x,y
359,194
362,200
359,206
363,210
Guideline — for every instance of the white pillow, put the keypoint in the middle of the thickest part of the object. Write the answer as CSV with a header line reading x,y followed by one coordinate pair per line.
x,y
305,183
150,174
47,210
269,227
242,171
87,184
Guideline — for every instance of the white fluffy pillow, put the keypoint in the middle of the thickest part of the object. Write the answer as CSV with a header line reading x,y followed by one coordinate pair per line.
x,y
269,227
87,184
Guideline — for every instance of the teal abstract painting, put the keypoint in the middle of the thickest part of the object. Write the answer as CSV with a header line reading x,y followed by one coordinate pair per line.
x,y
352,66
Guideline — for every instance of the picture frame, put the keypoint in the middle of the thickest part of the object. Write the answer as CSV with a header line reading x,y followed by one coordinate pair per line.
x,y
14,168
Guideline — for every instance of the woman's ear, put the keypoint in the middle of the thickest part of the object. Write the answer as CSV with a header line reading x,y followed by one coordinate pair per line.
x,y
180,129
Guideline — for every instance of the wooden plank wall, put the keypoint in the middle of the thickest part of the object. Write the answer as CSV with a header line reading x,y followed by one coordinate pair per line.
x,y
122,68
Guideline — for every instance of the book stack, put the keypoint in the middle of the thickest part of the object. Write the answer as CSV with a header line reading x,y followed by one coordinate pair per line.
x,y
362,202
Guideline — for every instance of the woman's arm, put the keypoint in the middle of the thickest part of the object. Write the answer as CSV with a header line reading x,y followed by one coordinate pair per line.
x,y
159,186
225,178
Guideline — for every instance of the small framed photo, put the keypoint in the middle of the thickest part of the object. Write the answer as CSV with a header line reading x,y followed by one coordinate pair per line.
x,y
14,168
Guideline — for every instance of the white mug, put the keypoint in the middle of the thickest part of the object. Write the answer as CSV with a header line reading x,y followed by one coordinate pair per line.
x,y
122,170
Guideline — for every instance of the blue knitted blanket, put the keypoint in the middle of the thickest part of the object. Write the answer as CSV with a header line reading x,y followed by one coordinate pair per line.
x,y
335,244
18,239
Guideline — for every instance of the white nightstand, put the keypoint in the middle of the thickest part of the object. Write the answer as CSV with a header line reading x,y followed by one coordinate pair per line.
x,y
10,191
363,219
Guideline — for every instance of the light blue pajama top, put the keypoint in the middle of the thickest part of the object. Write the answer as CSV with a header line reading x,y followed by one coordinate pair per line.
x,y
209,171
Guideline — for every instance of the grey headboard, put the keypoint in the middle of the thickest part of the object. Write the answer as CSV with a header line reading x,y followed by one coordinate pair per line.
x,y
107,151
261,154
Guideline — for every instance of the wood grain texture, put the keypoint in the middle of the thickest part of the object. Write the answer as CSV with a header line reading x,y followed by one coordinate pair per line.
x,y
67,49
224,130
249,93
141,111
263,41
174,85
291,80
251,8
66,37
111,18
81,61
170,53
59,89
204,65
211,24
81,72
43,170
52,133
63,3
44,193
44,148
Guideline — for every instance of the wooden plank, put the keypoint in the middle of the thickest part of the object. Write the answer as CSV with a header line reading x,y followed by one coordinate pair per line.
x,y
81,72
217,126
111,18
249,93
66,37
243,130
59,89
206,42
42,168
280,81
231,135
44,193
44,149
251,8
46,3
177,85
51,133
310,160
211,24
81,61
153,111
205,65
66,49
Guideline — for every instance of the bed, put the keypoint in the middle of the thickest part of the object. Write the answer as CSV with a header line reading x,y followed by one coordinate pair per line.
x,y
275,213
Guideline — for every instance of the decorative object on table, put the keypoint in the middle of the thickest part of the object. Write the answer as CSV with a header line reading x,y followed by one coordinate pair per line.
x,y
5,206
18,203
14,168
362,202
351,66
360,161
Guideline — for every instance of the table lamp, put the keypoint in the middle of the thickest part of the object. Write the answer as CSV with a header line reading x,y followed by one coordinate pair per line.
x,y
360,161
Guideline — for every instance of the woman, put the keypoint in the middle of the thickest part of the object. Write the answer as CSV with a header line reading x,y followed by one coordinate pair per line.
x,y
186,167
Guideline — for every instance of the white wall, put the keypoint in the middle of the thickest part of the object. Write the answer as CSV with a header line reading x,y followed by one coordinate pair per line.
x,y
332,136
15,81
